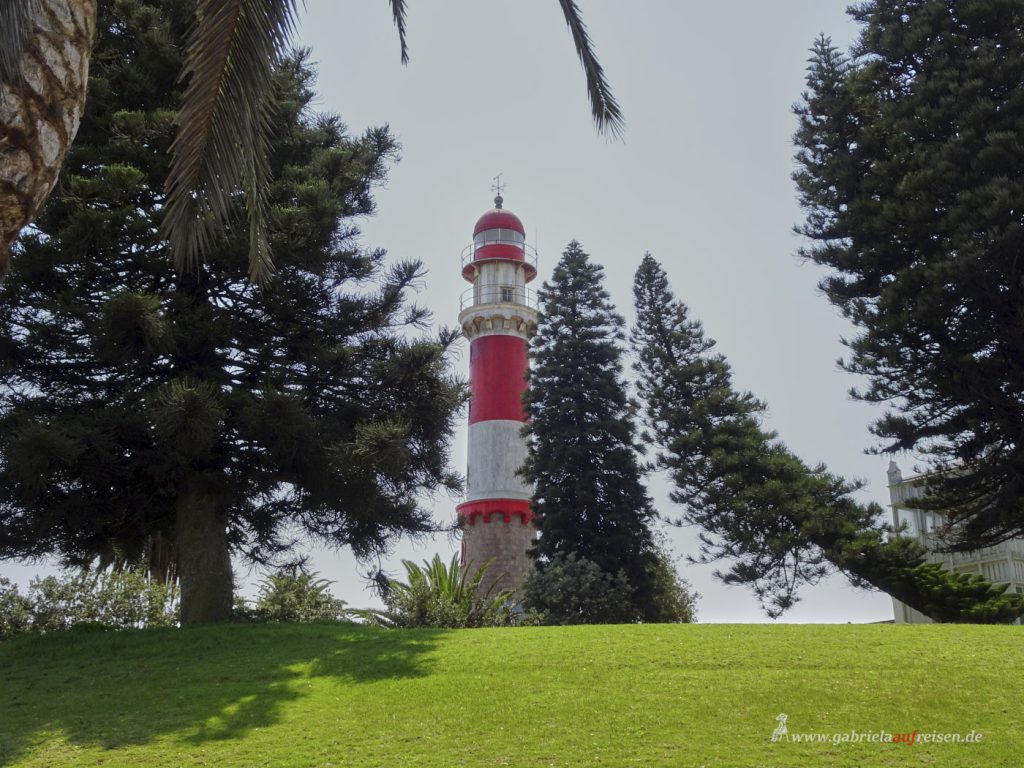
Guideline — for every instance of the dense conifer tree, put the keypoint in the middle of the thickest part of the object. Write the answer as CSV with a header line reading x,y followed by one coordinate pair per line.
x,y
777,522
911,173
589,500
201,409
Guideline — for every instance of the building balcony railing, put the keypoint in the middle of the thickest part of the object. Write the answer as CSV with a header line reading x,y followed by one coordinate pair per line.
x,y
471,254
517,295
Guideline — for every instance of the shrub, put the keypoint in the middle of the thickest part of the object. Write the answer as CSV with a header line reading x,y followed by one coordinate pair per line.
x,y
125,599
15,610
568,589
673,595
292,595
442,596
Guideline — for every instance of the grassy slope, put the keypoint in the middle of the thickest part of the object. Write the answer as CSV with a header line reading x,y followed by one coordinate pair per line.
x,y
617,696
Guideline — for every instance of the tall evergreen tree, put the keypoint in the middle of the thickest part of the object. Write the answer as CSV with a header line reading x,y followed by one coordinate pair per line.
x,y
589,500
779,523
735,484
199,408
911,173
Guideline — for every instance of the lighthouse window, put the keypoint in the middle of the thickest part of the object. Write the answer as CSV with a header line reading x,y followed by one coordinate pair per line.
x,y
499,236
506,294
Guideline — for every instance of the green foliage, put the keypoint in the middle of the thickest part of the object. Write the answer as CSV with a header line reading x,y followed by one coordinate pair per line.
x,y
436,595
973,601
225,128
911,174
898,566
673,596
583,462
296,596
572,590
112,599
312,406
778,523
15,610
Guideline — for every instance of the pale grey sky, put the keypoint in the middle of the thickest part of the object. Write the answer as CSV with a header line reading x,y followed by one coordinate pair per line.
x,y
701,181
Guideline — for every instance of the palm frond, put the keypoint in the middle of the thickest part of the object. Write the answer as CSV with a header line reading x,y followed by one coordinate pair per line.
x,y
221,148
398,11
603,106
15,29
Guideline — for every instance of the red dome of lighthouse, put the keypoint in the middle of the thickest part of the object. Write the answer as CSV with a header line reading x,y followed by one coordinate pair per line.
x,y
499,235
498,218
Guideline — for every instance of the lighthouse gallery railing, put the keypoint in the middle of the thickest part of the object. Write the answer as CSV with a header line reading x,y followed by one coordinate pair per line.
x,y
469,253
516,294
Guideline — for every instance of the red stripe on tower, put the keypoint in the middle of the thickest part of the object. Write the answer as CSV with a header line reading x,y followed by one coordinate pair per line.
x,y
497,374
484,510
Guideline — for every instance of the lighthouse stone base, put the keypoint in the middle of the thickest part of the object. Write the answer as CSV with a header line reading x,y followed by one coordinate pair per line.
x,y
506,543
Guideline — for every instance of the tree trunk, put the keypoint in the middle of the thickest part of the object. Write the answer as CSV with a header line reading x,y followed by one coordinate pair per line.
x,y
204,560
39,116
161,558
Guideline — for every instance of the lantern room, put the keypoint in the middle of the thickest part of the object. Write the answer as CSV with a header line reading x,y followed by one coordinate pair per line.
x,y
498,263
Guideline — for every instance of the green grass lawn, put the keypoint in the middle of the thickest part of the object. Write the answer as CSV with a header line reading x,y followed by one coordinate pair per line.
x,y
329,695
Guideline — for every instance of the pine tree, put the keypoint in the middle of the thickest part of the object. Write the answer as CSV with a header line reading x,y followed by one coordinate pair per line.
x,y
734,483
779,523
200,408
911,173
589,501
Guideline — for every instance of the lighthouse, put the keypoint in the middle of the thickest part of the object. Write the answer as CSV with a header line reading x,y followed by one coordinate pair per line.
x,y
498,315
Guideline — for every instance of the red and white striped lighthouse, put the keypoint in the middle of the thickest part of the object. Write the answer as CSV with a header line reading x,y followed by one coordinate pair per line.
x,y
499,313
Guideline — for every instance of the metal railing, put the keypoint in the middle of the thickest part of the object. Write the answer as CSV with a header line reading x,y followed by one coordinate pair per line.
x,y
469,253
517,295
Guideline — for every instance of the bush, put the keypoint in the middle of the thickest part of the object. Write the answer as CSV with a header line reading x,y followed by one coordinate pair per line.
x,y
441,596
110,599
15,610
293,595
568,589
674,597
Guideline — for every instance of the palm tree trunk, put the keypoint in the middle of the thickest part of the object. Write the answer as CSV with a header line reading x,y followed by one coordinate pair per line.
x,y
204,560
39,116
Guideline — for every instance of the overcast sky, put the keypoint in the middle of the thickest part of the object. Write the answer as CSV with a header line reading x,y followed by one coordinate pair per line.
x,y
702,181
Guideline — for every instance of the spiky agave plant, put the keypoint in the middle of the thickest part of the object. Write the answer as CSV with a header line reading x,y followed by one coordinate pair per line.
x,y
442,596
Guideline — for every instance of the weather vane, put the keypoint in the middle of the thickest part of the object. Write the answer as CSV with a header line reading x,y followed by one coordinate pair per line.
x,y
496,187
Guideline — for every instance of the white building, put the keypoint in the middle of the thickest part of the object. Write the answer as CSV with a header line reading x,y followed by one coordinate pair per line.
x,y
1001,564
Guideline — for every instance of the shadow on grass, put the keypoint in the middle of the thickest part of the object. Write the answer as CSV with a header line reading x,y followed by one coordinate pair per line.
x,y
200,684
